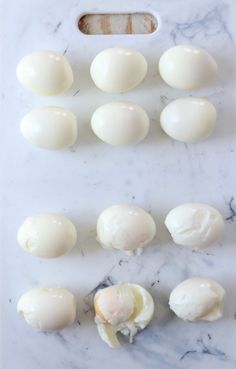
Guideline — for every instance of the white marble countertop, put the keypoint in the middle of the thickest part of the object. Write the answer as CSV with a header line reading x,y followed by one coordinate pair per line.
x,y
157,174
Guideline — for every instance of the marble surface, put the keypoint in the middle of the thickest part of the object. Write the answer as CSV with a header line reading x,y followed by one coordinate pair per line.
x,y
157,174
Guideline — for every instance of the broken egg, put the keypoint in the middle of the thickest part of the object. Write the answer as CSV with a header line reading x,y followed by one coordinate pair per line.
x,y
126,308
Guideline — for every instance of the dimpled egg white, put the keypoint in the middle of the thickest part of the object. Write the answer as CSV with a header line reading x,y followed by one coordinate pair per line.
x,y
195,225
45,73
50,127
125,227
120,123
48,309
118,69
187,67
197,299
126,308
188,119
47,235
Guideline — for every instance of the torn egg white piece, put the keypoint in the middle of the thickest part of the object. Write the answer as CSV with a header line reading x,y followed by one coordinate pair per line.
x,y
126,308
47,235
120,123
197,299
118,69
45,73
50,127
187,67
195,225
48,309
125,227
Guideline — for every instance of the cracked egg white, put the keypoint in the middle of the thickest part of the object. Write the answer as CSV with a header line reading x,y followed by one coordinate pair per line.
x,y
195,225
197,299
126,308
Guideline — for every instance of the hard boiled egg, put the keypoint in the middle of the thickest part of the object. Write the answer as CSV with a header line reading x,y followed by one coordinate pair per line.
x,y
120,123
118,69
47,235
50,127
125,227
188,119
45,73
198,299
187,67
195,225
48,309
126,308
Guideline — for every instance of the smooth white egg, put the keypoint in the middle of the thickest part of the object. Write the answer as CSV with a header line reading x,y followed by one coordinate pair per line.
x,y
125,227
47,235
195,225
120,123
197,299
45,73
50,127
188,119
187,67
126,308
48,309
118,69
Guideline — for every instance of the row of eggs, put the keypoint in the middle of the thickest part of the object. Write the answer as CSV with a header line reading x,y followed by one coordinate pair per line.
x,y
125,308
117,70
120,123
124,227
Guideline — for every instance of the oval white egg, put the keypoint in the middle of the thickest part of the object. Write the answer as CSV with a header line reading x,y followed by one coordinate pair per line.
x,y
50,127
47,235
118,69
120,123
195,225
197,299
48,309
188,119
126,308
125,227
187,67
45,73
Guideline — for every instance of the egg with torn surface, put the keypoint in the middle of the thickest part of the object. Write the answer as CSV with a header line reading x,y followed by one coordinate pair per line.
x,y
48,309
45,73
126,308
120,123
118,69
125,227
187,67
195,225
47,235
50,127
198,299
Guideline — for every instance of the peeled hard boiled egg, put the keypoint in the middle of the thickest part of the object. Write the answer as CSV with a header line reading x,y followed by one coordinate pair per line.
x,y
126,308
187,67
50,127
188,119
125,227
47,235
120,123
195,225
48,309
198,299
118,69
45,73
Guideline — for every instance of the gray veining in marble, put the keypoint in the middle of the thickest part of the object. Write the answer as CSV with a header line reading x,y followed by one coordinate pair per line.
x,y
157,174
